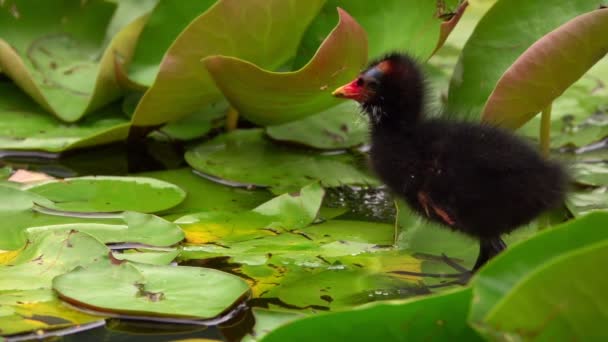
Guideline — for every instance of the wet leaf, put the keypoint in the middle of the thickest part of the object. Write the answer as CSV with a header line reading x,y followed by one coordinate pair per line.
x,y
541,308
583,202
25,126
507,271
48,255
148,256
246,157
547,68
138,228
287,211
183,86
410,25
52,51
35,310
268,98
338,127
268,320
130,288
109,194
498,40
424,319
595,174
205,195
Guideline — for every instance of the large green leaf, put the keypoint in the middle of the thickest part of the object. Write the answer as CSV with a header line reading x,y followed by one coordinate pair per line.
x,y
509,269
53,52
25,126
407,25
341,126
268,98
246,157
167,21
498,40
109,194
547,68
437,318
540,308
140,289
250,30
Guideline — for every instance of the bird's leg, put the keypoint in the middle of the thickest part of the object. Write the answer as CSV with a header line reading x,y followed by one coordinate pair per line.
x,y
488,248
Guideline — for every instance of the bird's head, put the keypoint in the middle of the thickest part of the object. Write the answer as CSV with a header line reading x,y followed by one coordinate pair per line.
x,y
390,88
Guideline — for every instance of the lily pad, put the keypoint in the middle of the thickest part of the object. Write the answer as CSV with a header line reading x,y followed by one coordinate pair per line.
x,y
287,211
38,310
109,194
583,202
506,272
535,309
425,319
496,43
268,98
51,51
138,228
339,127
550,65
170,291
595,174
197,124
26,126
245,157
414,26
183,86
205,195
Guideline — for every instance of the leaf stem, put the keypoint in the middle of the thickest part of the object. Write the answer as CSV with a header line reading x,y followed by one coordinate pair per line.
x,y
545,131
232,119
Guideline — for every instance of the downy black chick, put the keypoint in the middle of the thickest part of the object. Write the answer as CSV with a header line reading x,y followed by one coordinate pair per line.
x,y
473,178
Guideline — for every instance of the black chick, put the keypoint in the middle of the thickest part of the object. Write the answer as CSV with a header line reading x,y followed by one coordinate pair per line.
x,y
473,178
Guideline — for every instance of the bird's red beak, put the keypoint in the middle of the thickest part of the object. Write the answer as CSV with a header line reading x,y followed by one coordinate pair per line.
x,y
351,91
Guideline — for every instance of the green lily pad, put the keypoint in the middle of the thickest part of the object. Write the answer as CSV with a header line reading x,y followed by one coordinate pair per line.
x,y
109,194
583,202
141,289
506,272
496,43
539,306
138,228
425,319
269,320
197,124
205,195
595,174
546,69
410,25
245,157
269,98
51,51
339,127
182,85
148,256
287,211
25,126
47,256
38,310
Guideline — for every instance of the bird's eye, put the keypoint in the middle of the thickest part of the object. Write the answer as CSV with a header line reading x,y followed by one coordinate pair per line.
x,y
372,84
360,82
